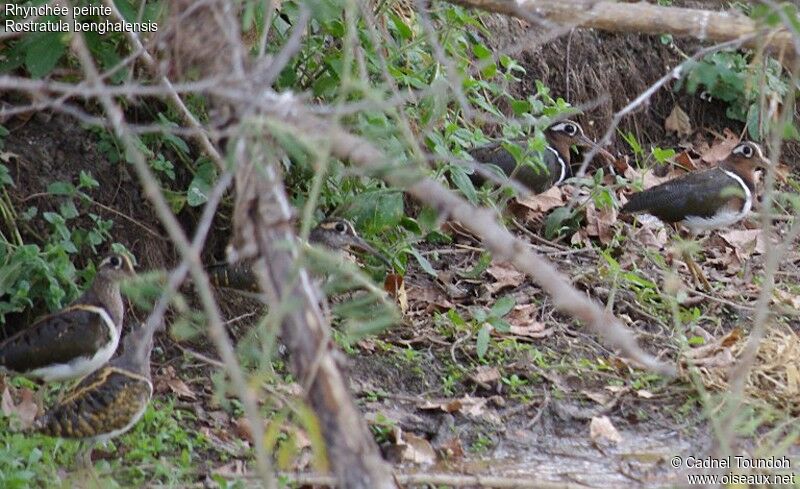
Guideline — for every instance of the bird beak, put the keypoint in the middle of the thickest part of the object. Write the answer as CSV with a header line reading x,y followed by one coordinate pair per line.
x,y
360,244
585,142
764,163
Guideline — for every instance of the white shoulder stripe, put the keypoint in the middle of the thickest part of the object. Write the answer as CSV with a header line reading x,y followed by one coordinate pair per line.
x,y
748,196
100,311
561,163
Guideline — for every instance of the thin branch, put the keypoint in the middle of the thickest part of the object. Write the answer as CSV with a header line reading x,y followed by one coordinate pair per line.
x,y
152,190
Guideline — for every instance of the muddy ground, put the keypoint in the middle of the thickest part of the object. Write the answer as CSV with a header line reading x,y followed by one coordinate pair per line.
x,y
523,411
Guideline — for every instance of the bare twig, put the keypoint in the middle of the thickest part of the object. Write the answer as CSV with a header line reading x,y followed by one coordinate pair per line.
x,y
153,192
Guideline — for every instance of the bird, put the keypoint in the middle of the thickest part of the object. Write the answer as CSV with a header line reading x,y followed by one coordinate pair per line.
x,y
705,200
109,401
78,339
332,233
560,136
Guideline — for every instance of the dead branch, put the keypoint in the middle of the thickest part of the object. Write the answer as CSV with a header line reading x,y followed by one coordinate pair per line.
x,y
641,17
263,225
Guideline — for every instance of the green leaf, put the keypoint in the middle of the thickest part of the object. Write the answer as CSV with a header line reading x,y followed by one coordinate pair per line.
x,y
200,186
61,188
482,344
461,180
43,53
423,262
376,210
402,28
5,176
86,180
481,51
662,155
503,306
483,263
500,324
696,340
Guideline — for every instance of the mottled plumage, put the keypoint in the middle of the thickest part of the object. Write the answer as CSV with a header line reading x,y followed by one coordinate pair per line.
x,y
76,340
560,136
107,402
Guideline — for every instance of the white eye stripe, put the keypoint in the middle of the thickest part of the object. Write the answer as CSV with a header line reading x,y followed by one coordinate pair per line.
x,y
569,128
748,150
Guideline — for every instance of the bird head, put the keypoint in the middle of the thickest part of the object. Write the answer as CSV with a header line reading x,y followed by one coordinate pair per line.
x,y
565,134
116,266
338,234
748,155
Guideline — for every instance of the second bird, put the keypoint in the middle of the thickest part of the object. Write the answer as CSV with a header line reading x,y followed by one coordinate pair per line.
x,y
332,233
560,136
78,339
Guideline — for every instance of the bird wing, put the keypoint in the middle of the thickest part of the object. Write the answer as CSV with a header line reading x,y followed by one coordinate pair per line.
x,y
699,194
533,176
77,331
102,402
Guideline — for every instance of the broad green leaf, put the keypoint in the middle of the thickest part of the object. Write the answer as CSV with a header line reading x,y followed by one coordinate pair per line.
x,y
482,344
44,51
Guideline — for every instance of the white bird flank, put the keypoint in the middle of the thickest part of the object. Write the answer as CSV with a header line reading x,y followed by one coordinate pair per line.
x,y
83,366
725,216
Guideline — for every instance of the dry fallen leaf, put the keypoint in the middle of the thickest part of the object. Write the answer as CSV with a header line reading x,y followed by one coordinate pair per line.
x,y
413,448
685,161
601,429
600,223
532,330
720,149
430,294
180,388
24,412
716,353
522,315
468,406
539,204
746,242
232,470
644,394
394,285
485,375
650,179
678,122
505,275
654,237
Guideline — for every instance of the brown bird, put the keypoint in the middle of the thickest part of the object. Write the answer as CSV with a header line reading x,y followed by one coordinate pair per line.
x,y
78,339
556,168
705,200
107,402
332,233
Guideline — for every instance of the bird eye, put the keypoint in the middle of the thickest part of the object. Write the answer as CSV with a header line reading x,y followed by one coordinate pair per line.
x,y
115,262
570,129
747,151
340,227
